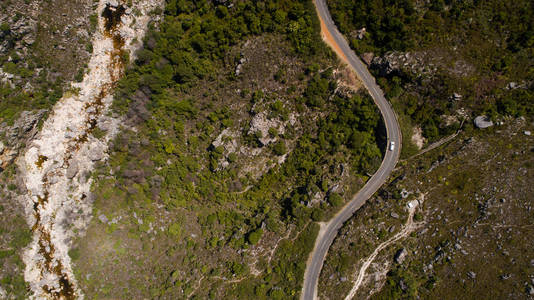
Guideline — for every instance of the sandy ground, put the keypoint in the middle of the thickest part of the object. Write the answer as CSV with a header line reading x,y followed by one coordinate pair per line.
x,y
417,137
329,40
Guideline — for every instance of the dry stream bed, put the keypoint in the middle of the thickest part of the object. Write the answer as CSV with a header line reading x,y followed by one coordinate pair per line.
x,y
57,163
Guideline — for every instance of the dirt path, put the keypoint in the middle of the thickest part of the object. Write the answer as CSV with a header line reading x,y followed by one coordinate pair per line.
x,y
407,229
437,143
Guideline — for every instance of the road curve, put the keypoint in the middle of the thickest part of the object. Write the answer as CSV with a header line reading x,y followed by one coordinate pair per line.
x,y
329,230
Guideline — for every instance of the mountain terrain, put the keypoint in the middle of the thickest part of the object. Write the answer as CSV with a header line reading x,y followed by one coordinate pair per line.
x,y
194,149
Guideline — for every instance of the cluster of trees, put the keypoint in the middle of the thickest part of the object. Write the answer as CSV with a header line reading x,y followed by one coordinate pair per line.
x,y
394,289
387,22
399,25
195,36
351,128
190,43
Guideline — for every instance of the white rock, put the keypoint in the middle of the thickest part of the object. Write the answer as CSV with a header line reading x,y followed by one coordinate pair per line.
x,y
400,256
483,122
103,218
113,3
3,293
96,153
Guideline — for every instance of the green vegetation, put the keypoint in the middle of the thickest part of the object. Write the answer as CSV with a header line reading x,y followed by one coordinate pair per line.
x,y
282,278
254,237
178,57
191,198
14,237
392,289
195,36
477,48
335,199
15,100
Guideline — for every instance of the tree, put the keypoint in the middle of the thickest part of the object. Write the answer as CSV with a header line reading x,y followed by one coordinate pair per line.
x,y
335,199
279,148
254,236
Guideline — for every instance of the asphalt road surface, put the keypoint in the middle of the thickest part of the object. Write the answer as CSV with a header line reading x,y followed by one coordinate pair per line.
x,y
329,232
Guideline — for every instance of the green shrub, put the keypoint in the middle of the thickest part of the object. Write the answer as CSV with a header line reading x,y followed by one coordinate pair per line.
x,y
232,157
335,199
175,230
254,236
74,254
279,148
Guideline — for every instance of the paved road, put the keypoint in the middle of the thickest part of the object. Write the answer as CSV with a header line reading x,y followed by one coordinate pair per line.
x,y
329,231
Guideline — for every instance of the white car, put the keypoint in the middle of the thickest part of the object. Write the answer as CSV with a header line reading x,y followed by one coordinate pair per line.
x,y
392,146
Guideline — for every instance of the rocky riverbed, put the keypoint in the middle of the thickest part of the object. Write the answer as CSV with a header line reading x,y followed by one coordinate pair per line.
x,y
56,165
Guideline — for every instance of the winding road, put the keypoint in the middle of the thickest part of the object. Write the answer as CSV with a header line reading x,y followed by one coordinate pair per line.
x,y
329,230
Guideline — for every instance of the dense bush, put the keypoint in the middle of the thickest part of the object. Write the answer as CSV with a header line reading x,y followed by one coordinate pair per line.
x,y
195,37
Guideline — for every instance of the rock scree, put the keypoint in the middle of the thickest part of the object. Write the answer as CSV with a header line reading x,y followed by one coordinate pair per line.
x,y
55,162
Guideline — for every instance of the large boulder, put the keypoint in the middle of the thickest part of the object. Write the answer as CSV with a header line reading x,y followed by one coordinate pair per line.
x,y
72,170
25,123
16,135
386,64
400,256
96,152
367,58
483,122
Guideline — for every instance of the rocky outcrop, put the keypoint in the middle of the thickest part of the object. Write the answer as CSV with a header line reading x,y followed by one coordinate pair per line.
x,y
24,125
17,32
31,32
242,61
17,135
261,124
417,63
72,170
396,61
